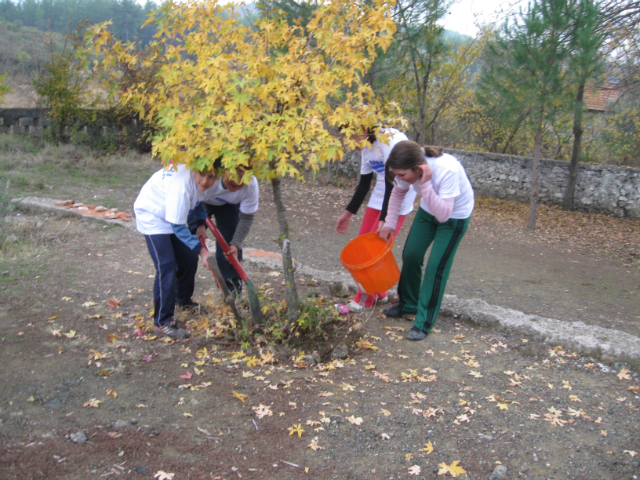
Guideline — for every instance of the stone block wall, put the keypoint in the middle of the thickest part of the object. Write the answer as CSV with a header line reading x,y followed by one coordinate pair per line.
x,y
603,189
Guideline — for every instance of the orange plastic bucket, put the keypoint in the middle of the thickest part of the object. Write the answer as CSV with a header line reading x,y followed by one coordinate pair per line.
x,y
370,262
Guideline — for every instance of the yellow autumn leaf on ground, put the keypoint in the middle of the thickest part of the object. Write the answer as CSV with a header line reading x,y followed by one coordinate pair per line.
x,y
415,470
355,421
93,403
365,344
113,393
188,415
262,411
296,429
31,399
502,406
160,475
428,448
624,374
95,355
574,398
386,413
314,445
347,387
630,452
454,469
89,304
408,456
66,299
240,396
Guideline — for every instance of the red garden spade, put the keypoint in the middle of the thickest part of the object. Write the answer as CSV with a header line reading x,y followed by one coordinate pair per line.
x,y
254,302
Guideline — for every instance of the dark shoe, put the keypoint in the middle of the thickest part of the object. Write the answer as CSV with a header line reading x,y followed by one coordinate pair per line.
x,y
194,307
416,334
396,311
171,330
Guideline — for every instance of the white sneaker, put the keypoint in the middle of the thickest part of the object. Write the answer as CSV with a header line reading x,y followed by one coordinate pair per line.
x,y
355,307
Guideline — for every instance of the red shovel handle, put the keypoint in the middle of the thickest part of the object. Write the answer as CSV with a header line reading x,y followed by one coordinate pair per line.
x,y
225,248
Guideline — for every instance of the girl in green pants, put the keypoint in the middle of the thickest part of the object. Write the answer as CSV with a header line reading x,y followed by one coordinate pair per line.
x,y
442,220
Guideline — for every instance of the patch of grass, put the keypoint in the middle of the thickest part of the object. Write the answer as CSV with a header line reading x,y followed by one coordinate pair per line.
x,y
73,171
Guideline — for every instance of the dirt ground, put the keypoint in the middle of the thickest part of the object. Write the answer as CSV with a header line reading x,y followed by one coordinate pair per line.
x,y
466,397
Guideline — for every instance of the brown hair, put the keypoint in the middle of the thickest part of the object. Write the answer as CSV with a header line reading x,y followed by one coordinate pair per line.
x,y
406,155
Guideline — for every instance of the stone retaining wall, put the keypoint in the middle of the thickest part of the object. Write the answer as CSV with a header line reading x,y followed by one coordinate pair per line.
x,y
600,188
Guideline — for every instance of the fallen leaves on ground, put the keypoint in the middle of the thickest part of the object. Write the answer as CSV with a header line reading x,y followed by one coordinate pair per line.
x,y
354,420
93,403
454,469
296,429
240,396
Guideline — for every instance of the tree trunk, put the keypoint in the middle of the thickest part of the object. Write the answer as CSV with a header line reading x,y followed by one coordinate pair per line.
x,y
535,174
567,204
291,292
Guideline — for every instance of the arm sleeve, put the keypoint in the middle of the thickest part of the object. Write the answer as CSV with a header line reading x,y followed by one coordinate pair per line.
x,y
388,188
242,230
395,203
186,237
440,207
361,191
197,217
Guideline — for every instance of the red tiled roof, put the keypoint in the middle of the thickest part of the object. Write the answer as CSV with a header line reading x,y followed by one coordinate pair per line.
x,y
602,99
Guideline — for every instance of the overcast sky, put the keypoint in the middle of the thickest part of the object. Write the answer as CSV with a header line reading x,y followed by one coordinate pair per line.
x,y
465,14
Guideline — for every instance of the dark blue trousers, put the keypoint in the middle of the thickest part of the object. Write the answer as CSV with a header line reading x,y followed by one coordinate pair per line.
x,y
176,266
227,217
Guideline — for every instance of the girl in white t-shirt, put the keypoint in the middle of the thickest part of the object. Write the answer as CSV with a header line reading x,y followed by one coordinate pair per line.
x,y
442,220
166,203
374,159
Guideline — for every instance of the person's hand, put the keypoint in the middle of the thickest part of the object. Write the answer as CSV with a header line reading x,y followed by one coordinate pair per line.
x,y
233,251
201,232
380,225
426,173
343,222
204,254
386,233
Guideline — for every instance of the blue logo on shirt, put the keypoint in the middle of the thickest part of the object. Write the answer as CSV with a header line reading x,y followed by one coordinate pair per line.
x,y
377,165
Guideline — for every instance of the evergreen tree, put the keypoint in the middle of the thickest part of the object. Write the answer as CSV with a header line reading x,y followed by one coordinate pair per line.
x,y
586,62
524,68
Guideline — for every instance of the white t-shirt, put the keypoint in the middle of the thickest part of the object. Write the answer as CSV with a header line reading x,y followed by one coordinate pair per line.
x,y
167,197
248,196
449,180
374,159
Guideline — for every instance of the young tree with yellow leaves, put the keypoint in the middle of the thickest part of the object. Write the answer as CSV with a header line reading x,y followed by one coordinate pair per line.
x,y
262,97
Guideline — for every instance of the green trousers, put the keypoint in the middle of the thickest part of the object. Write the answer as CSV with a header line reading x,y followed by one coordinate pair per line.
x,y
423,296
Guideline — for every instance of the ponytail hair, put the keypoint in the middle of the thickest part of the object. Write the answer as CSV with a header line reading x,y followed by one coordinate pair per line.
x,y
406,155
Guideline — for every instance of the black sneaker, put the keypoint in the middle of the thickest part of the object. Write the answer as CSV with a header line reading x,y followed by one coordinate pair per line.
x,y
396,311
171,330
416,334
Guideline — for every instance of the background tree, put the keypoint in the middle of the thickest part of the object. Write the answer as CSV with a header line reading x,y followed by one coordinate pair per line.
x,y
524,69
587,62
262,97
65,85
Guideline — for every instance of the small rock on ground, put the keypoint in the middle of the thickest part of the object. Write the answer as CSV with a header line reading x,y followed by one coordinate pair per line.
x,y
340,352
499,473
78,437
120,425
